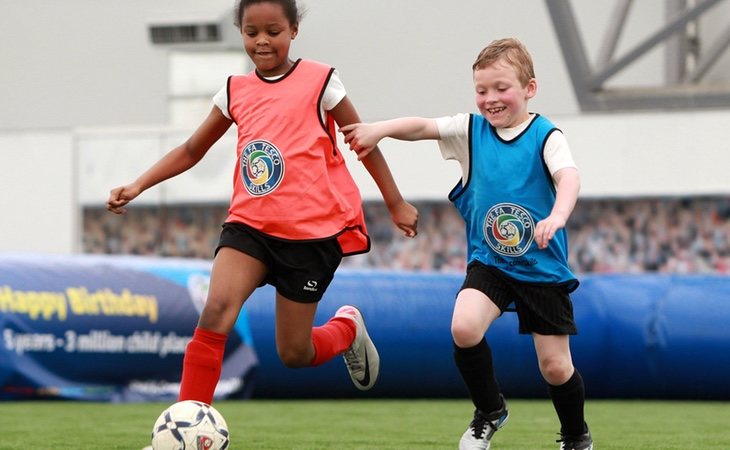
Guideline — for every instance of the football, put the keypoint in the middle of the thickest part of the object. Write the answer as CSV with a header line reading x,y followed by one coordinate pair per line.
x,y
190,425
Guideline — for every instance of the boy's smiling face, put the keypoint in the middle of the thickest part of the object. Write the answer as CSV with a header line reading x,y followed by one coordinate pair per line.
x,y
500,96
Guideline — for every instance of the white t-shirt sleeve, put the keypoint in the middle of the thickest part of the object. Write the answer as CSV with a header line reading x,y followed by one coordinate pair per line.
x,y
334,92
454,141
220,99
557,153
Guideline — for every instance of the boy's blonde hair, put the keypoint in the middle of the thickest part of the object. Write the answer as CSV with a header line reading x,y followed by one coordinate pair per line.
x,y
513,52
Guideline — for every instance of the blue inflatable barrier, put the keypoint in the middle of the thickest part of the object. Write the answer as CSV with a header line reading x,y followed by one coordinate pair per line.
x,y
115,328
640,336
663,336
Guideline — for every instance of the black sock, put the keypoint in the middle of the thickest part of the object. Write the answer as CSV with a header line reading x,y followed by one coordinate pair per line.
x,y
477,370
568,400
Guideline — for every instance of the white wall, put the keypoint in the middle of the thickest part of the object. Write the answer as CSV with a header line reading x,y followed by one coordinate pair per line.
x,y
38,211
86,62
654,153
108,159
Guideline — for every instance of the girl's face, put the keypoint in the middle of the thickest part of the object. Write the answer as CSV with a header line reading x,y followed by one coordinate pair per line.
x,y
500,96
267,36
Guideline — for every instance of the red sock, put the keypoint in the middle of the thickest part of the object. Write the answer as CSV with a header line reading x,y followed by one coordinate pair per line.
x,y
331,339
202,365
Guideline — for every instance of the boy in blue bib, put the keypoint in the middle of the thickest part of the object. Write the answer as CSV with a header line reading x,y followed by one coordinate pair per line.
x,y
518,188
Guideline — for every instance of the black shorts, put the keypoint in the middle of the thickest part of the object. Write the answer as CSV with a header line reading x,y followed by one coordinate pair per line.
x,y
541,309
299,270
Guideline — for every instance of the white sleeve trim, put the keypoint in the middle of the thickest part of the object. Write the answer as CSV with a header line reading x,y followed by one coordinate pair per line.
x,y
454,141
220,99
334,92
557,153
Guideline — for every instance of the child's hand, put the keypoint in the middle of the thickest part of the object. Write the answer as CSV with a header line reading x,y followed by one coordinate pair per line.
x,y
546,229
361,137
405,217
120,196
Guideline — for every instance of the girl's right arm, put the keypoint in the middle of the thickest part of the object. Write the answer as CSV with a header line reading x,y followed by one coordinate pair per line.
x,y
175,162
363,137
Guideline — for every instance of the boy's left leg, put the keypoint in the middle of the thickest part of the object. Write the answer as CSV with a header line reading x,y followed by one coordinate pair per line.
x,y
566,389
568,400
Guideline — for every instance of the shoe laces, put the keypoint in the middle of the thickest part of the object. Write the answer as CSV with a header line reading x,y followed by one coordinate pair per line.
x,y
480,423
570,442
353,362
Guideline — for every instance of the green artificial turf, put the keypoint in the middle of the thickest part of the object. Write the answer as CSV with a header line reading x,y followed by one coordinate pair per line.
x,y
369,424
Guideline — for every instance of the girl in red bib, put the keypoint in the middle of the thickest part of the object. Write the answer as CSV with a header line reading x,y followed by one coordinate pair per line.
x,y
295,210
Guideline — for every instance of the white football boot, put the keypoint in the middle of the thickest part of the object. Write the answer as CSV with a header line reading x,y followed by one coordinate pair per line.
x,y
481,429
362,359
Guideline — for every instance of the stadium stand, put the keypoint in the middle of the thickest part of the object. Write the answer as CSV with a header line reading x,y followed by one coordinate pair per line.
x,y
637,235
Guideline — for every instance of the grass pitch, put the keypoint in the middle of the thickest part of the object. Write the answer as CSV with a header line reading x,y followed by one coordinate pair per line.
x,y
369,425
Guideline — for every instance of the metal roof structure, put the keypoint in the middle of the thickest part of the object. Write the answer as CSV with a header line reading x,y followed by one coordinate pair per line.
x,y
686,61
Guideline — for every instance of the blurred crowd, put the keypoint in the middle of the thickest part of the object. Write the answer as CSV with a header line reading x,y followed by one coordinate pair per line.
x,y
187,231
670,235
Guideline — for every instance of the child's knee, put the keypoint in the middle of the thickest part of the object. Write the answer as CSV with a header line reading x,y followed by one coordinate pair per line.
x,y
556,371
218,315
465,335
293,357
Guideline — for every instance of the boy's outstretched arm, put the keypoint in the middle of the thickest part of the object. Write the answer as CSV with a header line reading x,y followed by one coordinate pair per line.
x,y
403,214
363,137
567,182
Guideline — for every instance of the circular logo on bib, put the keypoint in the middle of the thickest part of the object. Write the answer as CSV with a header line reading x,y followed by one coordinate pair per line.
x,y
509,229
262,167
